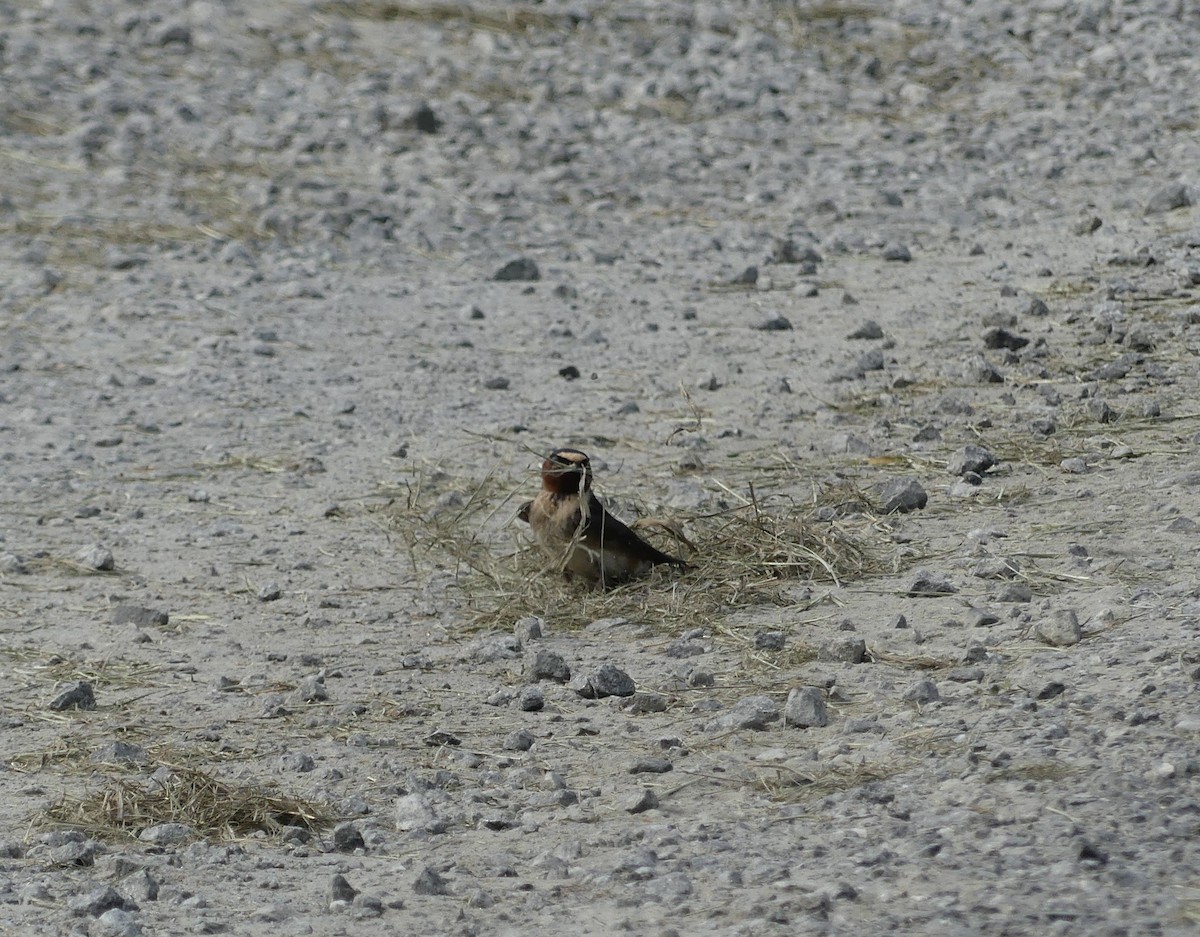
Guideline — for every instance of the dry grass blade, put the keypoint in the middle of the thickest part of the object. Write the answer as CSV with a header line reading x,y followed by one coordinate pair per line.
x,y
212,808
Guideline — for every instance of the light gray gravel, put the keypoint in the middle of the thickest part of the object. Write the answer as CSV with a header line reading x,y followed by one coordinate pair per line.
x,y
272,272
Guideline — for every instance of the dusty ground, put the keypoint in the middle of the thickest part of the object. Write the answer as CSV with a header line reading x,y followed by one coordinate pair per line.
x,y
254,352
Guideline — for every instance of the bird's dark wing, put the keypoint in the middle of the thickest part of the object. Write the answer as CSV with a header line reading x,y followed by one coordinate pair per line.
x,y
601,528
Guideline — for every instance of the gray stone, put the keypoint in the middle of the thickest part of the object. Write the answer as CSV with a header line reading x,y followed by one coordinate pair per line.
x,y
79,695
750,712
312,689
12,565
519,741
1015,592
641,801
869,330
547,665
843,650
270,592
414,812
531,699
97,901
978,369
528,629
896,252
642,703
367,907
166,834
116,922
341,890
1061,629
923,691
970,459
1171,196
521,269
96,557
605,680
490,650
901,495
430,882
926,584
805,708
347,838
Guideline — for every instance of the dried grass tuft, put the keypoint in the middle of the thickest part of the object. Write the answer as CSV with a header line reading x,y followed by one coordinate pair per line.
x,y
752,554
787,784
213,809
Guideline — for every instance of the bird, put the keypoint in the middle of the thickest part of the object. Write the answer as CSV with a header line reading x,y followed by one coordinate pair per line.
x,y
574,529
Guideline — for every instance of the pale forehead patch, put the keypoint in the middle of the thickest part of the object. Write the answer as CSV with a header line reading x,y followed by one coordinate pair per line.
x,y
574,456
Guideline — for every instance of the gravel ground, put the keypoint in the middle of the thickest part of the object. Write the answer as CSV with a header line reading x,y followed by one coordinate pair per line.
x,y
290,292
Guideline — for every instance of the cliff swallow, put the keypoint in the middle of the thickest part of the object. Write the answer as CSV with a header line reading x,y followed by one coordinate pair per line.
x,y
573,528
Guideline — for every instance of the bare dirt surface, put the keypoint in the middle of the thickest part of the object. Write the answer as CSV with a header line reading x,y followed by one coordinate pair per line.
x,y
267,412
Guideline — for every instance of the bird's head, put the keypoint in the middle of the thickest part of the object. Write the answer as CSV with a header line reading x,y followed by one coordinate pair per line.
x,y
567,471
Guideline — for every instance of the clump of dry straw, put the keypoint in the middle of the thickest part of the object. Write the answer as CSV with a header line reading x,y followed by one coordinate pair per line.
x,y
214,809
754,552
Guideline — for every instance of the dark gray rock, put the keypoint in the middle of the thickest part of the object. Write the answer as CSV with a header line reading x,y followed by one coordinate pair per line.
x,y
522,269
869,330
347,838
529,629
270,592
606,680
531,699
430,882
978,369
926,584
98,900
79,695
923,691
974,459
547,665
901,495
896,252
341,890
997,337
